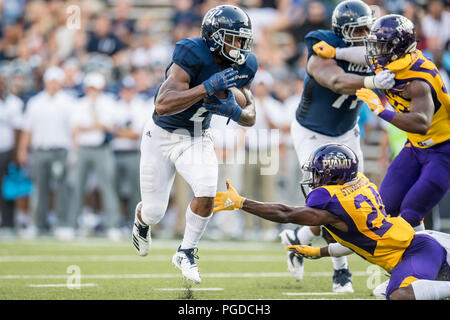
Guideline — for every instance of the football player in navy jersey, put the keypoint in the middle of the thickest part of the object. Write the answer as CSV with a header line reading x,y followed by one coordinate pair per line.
x,y
328,112
177,137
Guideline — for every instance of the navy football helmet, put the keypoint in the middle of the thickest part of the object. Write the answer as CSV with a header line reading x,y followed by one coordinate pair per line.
x,y
391,37
222,26
348,16
330,164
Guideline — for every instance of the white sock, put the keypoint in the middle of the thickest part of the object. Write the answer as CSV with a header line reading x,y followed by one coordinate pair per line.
x,y
305,235
431,289
339,263
195,226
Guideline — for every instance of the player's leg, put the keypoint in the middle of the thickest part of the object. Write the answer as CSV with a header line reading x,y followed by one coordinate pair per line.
x,y
197,164
157,174
430,187
414,277
401,175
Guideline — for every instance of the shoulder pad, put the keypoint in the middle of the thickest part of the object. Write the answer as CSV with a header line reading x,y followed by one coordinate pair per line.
x,y
188,54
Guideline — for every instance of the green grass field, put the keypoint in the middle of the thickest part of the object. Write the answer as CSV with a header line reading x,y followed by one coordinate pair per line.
x,y
231,270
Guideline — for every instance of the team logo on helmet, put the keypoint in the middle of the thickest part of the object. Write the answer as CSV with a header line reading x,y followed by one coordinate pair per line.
x,y
391,37
228,26
330,164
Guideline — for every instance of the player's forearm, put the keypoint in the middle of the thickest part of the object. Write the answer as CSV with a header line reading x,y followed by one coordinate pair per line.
x,y
174,101
248,116
281,213
276,212
412,122
345,83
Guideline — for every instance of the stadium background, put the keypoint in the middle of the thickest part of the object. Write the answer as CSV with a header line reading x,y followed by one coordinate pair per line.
x,y
133,39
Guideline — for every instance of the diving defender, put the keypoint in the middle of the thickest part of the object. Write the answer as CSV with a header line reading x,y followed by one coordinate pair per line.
x,y
349,206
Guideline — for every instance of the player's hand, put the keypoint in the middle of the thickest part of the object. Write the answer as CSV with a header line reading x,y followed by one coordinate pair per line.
x,y
221,81
372,100
227,107
324,50
229,200
304,251
384,79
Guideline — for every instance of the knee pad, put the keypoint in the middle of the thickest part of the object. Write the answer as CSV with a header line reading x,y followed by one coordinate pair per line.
x,y
153,213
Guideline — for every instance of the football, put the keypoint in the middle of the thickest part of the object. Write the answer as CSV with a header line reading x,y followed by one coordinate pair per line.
x,y
238,95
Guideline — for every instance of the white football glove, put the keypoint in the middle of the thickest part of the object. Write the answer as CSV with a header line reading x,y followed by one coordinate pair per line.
x,y
384,79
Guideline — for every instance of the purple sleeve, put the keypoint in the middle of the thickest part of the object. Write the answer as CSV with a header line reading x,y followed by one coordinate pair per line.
x,y
318,198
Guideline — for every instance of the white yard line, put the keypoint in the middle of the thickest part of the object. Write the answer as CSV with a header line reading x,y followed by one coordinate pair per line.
x,y
174,275
310,293
191,289
112,258
61,285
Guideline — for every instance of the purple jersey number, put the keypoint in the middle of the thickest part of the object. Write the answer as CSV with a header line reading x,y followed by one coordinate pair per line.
x,y
385,226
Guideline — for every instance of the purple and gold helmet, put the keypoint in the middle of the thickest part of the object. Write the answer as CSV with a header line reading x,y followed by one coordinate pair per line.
x,y
391,37
330,164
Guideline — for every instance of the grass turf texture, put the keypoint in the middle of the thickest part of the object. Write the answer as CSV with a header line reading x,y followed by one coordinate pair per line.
x,y
231,270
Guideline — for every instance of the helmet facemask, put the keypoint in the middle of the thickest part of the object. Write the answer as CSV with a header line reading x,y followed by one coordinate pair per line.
x,y
379,53
348,30
227,38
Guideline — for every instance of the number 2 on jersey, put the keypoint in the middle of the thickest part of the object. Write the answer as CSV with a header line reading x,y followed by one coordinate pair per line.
x,y
198,114
378,228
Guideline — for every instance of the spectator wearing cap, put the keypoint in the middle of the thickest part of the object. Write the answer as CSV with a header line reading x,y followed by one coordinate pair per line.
x,y
10,120
44,144
131,113
93,124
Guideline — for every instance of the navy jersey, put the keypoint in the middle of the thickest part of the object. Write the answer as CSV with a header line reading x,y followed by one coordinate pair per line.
x,y
320,109
194,57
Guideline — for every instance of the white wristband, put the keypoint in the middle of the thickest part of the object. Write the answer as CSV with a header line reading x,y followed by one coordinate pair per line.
x,y
369,82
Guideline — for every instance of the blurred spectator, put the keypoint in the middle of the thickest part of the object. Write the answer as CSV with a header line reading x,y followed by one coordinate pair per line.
x,y
122,23
185,13
93,124
46,133
262,153
131,113
102,39
436,24
316,18
10,122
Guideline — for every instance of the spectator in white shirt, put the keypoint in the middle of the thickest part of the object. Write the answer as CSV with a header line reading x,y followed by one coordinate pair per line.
x,y
46,135
10,119
93,126
436,25
131,113
262,152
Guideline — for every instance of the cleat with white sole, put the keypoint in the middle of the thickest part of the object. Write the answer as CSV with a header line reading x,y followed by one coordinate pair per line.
x,y
295,263
342,281
184,259
141,236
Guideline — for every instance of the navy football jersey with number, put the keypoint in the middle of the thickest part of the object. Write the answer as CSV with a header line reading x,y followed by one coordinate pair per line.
x,y
320,109
194,57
